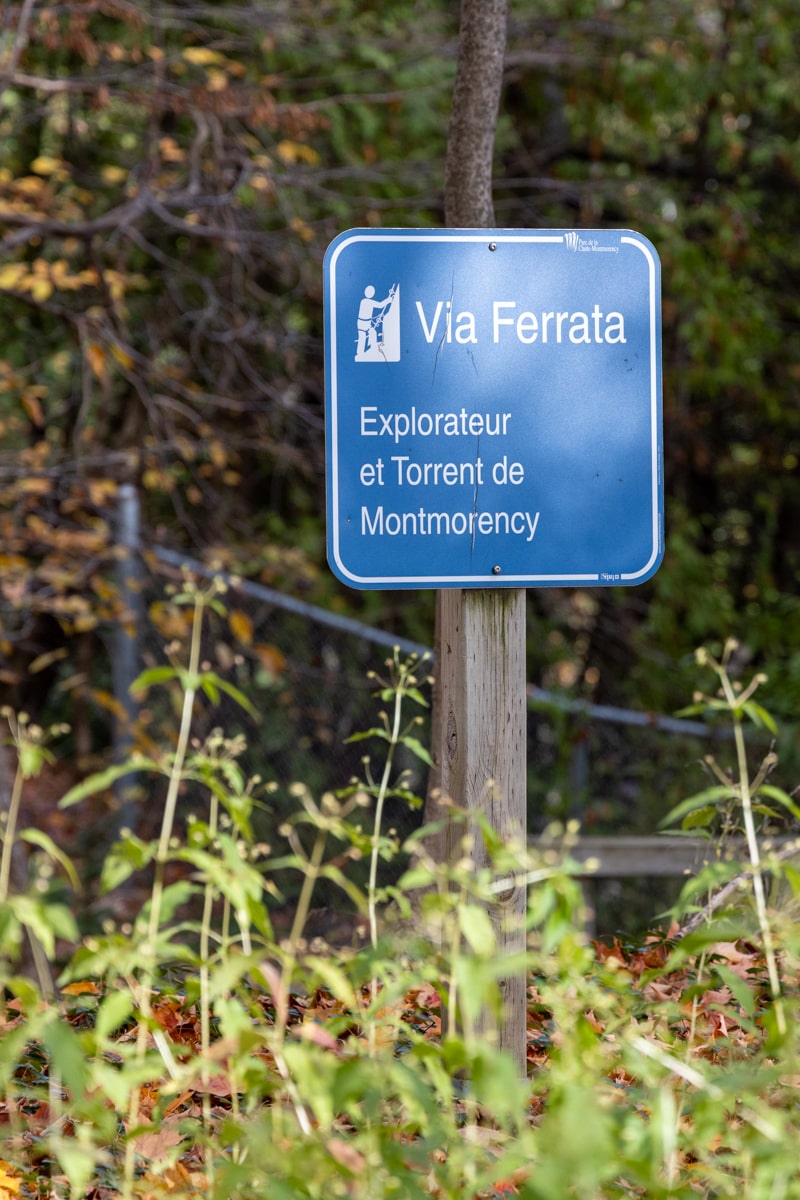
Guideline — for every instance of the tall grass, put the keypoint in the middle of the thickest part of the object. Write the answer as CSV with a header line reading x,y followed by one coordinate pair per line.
x,y
191,1050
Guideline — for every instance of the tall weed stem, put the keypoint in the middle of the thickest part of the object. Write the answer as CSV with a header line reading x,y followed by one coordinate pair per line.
x,y
176,773
10,835
739,703
754,851
144,988
380,800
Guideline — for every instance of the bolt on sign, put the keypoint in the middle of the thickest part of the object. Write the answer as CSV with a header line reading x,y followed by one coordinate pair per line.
x,y
493,408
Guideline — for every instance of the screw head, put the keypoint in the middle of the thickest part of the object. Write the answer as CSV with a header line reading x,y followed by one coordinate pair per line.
x,y
497,570
492,245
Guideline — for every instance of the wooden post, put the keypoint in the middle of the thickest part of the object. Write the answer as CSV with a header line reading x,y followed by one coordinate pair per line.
x,y
481,692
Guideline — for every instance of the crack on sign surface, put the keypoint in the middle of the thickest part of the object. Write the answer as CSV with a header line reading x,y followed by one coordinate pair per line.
x,y
447,320
475,501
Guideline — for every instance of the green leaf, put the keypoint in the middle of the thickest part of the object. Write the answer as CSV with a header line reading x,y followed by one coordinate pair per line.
x,y
692,710
367,733
173,897
47,921
36,837
235,694
128,855
710,796
792,877
476,926
103,780
764,810
67,1053
416,747
153,675
699,818
78,1162
32,757
779,797
759,716
113,1012
351,889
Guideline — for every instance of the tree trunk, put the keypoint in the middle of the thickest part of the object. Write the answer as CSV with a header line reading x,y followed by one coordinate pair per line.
x,y
473,118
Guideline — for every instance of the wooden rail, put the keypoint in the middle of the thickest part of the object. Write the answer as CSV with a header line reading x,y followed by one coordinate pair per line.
x,y
623,857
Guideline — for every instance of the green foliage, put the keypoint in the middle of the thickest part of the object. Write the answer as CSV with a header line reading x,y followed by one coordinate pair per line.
x,y
194,1050
680,127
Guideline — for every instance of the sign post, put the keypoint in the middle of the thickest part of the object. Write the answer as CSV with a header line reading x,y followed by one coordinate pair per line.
x,y
493,420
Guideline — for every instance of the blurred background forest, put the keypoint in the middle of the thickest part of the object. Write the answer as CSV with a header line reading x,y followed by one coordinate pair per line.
x,y
170,176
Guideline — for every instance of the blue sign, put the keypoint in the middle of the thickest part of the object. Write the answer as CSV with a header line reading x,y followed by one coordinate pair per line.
x,y
493,408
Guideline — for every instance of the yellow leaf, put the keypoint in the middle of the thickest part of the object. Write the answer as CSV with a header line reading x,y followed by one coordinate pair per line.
x,y
216,81
170,622
241,626
46,660
97,359
10,1180
107,701
41,290
170,150
11,274
101,490
302,229
45,164
111,174
83,987
156,479
202,56
84,623
29,185
35,485
123,358
294,152
35,413
270,658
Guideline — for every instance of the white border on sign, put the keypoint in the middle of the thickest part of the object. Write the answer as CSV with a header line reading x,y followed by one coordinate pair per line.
x,y
435,581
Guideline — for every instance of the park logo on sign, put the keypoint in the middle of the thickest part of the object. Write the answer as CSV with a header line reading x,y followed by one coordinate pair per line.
x,y
573,241
378,326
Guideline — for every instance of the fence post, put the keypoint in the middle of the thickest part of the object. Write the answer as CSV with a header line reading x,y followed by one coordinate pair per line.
x,y
125,663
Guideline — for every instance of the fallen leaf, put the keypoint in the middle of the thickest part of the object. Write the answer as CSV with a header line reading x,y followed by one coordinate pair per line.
x,y
346,1155
10,1180
156,1143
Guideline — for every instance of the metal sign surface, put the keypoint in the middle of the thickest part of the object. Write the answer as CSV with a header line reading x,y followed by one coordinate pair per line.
x,y
493,408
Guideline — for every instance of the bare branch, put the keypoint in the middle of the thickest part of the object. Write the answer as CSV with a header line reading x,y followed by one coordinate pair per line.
x,y
20,41
34,226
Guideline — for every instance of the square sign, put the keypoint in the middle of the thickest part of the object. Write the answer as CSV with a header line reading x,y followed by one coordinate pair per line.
x,y
493,408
